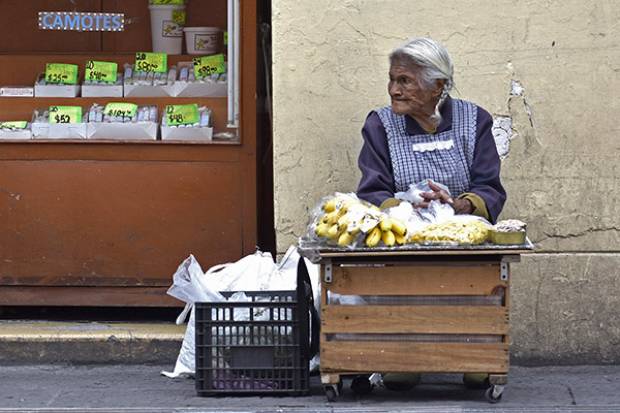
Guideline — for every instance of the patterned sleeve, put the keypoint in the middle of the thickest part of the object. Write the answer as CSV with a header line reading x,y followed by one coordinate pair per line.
x,y
377,183
485,169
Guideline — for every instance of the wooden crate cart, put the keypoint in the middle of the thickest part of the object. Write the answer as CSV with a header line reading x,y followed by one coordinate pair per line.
x,y
418,311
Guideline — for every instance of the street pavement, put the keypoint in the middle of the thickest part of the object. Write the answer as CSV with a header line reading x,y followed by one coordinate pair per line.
x,y
141,388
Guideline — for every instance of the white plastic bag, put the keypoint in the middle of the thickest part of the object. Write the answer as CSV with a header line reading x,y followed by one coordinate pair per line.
x,y
255,272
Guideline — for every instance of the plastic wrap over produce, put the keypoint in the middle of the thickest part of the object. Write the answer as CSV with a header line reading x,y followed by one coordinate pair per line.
x,y
344,221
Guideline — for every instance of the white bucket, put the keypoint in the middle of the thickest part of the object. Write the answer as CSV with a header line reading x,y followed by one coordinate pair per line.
x,y
202,40
167,35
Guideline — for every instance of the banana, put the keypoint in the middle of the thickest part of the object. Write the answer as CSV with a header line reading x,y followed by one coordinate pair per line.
x,y
398,227
331,218
373,238
400,239
345,239
330,205
343,221
388,238
333,232
355,230
321,230
386,224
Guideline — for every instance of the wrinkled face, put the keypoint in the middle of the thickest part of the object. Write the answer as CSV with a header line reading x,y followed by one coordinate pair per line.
x,y
408,93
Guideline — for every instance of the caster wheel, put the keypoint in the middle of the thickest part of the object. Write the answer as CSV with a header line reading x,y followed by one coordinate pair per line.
x,y
494,394
330,393
361,385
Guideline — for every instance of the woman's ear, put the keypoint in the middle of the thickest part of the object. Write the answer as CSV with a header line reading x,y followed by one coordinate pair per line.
x,y
439,84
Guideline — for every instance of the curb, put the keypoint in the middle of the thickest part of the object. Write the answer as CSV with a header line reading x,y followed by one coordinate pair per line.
x,y
35,342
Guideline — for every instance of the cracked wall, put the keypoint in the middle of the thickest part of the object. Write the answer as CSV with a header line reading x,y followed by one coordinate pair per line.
x,y
548,71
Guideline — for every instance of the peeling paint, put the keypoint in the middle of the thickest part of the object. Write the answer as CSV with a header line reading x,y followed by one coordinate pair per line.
x,y
516,89
502,133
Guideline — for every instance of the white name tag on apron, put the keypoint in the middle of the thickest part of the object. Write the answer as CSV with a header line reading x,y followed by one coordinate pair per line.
x,y
432,146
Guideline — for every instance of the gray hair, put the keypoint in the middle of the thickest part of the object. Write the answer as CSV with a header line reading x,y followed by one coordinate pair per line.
x,y
433,62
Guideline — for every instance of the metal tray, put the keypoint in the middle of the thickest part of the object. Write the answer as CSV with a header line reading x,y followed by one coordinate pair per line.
x,y
415,249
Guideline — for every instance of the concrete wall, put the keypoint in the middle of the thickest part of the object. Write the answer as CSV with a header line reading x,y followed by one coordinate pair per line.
x,y
549,69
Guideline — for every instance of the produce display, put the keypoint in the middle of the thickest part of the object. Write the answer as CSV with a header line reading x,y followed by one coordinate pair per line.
x,y
122,113
174,74
344,221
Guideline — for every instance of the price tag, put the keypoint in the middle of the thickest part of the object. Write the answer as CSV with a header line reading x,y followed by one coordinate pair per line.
x,y
182,114
65,114
205,66
225,38
14,125
101,71
151,62
60,73
179,16
167,2
121,109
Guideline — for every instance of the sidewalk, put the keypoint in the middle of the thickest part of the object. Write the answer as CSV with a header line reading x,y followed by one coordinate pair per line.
x,y
140,388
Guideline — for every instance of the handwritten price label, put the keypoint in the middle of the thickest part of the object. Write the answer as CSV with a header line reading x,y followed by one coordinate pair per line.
x,y
61,73
151,62
182,114
205,66
65,114
101,71
120,109
14,125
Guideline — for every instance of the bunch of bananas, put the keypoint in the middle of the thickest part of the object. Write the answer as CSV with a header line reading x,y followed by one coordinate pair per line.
x,y
462,232
345,217
390,231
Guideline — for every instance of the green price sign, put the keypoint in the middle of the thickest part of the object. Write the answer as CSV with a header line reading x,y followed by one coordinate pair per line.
x,y
182,114
205,66
151,62
14,125
101,71
121,109
60,73
167,2
226,38
65,114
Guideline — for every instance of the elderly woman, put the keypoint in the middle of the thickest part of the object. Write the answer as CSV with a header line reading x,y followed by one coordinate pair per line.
x,y
427,134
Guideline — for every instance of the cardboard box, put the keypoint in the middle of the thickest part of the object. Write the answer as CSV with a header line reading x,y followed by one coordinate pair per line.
x,y
200,89
102,91
122,131
58,130
186,134
16,134
148,91
55,91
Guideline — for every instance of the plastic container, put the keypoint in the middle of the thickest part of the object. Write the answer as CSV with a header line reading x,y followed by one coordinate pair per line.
x,y
166,34
508,238
202,40
267,354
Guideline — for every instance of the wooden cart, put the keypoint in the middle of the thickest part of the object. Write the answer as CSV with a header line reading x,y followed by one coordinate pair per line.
x,y
428,310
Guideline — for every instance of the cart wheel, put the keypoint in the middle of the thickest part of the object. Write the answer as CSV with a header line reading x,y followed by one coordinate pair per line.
x,y
331,392
361,385
494,393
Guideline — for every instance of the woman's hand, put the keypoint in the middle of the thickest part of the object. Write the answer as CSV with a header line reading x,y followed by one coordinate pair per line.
x,y
461,206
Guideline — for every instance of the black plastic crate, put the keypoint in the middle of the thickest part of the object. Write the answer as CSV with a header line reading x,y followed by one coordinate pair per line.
x,y
259,347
